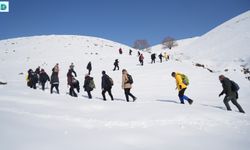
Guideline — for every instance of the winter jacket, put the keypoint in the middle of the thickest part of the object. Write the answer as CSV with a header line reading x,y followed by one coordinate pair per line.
x,y
69,77
106,83
125,84
44,77
87,83
153,56
141,57
54,78
116,62
227,87
32,77
179,83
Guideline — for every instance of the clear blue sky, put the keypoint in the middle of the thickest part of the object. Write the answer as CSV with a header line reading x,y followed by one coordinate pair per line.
x,y
123,21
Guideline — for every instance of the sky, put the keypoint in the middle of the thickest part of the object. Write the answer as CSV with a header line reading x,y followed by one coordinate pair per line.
x,y
123,21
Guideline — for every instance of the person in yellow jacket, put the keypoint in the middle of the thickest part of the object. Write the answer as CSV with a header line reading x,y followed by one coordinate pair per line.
x,y
181,87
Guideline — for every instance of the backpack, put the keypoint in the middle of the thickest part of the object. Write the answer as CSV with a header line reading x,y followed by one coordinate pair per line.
x,y
185,79
111,82
235,87
34,77
130,79
92,84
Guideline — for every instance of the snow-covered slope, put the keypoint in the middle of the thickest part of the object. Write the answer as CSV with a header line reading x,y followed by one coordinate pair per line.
x,y
226,43
33,119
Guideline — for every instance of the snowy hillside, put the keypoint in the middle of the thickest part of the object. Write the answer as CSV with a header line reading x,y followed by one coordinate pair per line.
x,y
33,119
225,48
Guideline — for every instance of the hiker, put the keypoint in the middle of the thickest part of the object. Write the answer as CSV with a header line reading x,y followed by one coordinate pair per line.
x,y
89,85
141,59
138,54
54,82
107,84
230,90
74,85
28,78
116,64
130,52
71,67
181,84
120,50
166,56
127,82
43,78
153,57
32,79
160,57
89,67
37,71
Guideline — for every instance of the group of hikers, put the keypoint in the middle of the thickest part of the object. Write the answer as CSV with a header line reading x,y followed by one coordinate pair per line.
x,y
39,76
230,88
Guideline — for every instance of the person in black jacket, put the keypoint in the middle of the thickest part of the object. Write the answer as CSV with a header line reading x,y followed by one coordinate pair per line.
x,y
153,57
160,57
89,85
32,79
130,52
107,84
89,67
54,82
116,64
230,94
43,78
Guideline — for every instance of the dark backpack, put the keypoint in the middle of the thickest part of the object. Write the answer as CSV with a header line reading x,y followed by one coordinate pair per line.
x,y
34,77
130,79
111,82
235,87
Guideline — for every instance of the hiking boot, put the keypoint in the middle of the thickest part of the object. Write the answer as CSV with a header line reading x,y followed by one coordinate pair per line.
x,y
182,103
190,101
242,111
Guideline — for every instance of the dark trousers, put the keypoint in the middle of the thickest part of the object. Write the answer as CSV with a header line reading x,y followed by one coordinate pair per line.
x,y
110,94
234,101
89,94
153,61
72,92
116,66
56,86
43,85
127,94
183,97
141,61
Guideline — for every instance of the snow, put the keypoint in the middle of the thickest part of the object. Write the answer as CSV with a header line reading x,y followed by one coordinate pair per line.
x,y
35,119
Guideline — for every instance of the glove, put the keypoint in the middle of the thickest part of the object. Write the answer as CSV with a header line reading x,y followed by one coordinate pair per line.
x,y
220,94
180,86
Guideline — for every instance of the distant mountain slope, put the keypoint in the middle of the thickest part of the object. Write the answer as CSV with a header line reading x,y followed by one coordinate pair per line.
x,y
228,42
